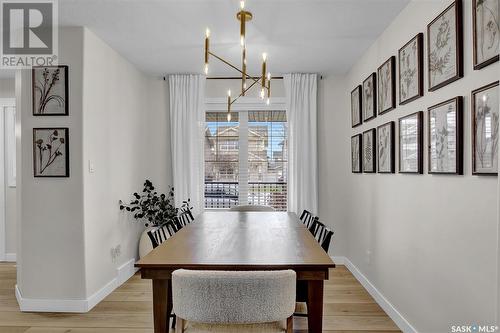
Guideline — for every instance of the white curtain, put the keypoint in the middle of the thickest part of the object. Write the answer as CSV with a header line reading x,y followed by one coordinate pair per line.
x,y
187,117
301,103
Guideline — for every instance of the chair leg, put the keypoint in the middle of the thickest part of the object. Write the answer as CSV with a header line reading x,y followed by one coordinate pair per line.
x,y
174,319
289,324
180,325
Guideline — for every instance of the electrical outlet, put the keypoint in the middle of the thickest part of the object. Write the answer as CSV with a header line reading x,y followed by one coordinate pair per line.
x,y
115,253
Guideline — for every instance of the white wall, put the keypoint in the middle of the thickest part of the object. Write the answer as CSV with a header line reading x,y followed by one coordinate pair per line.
x,y
428,243
126,138
7,90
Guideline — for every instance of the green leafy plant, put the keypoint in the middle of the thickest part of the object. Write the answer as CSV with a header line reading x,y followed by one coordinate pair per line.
x,y
153,208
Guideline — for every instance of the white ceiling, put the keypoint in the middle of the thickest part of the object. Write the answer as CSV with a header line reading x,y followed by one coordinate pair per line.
x,y
167,36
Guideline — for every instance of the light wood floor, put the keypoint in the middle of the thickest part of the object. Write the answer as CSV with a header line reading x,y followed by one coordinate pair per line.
x,y
348,308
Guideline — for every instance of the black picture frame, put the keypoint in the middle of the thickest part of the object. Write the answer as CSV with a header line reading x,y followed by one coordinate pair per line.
x,y
419,42
371,145
458,136
476,63
357,91
419,140
391,62
392,147
370,81
53,98
459,56
358,153
36,159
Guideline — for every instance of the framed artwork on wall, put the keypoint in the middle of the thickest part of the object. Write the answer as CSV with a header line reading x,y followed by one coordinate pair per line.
x,y
369,97
445,135
385,147
356,153
369,151
50,90
485,130
410,143
50,152
445,47
411,70
486,32
356,107
386,86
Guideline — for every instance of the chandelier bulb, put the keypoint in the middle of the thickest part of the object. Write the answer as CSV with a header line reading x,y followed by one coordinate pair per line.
x,y
229,116
268,101
269,76
207,33
264,56
242,4
206,69
229,93
242,41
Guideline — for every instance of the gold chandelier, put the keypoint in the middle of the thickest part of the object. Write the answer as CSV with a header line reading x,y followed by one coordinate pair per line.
x,y
264,80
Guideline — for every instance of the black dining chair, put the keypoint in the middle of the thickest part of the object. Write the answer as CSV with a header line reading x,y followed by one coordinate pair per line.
x,y
307,218
184,218
161,233
322,234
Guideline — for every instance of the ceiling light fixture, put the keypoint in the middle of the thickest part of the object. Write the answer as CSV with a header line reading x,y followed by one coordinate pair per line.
x,y
265,79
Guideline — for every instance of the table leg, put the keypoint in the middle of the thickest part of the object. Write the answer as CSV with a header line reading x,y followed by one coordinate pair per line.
x,y
160,305
315,306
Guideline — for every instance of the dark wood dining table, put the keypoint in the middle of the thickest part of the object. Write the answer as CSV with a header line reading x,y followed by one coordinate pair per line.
x,y
226,240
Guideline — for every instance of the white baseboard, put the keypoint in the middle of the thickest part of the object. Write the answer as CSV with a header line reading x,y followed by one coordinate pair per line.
x,y
338,260
10,257
124,272
391,311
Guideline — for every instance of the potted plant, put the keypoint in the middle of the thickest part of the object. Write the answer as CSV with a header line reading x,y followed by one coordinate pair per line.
x,y
153,209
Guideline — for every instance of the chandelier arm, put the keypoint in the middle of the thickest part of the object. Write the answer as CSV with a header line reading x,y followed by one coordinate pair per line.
x,y
234,67
244,91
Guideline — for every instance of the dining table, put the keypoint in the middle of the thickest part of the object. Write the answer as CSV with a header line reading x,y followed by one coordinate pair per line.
x,y
239,241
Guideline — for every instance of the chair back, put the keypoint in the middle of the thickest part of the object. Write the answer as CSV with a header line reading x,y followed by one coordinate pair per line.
x,y
184,218
322,234
234,297
252,208
161,233
307,218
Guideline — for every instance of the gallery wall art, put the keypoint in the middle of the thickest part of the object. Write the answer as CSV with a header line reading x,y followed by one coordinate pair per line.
x,y
411,70
486,32
50,90
369,151
356,106
385,147
386,86
410,143
445,137
356,153
485,130
445,47
51,152
369,97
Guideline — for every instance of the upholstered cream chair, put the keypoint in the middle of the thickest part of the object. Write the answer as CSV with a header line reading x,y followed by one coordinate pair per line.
x,y
252,208
223,301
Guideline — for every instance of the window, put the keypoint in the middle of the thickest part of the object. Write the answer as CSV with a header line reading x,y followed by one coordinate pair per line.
x,y
246,159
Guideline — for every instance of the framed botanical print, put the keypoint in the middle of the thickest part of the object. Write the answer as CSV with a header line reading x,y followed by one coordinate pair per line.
x,y
50,90
485,130
369,97
386,85
50,152
356,153
356,107
486,32
445,135
410,143
445,47
411,70
385,147
369,151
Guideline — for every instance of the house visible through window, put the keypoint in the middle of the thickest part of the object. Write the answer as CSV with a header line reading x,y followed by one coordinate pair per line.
x,y
246,159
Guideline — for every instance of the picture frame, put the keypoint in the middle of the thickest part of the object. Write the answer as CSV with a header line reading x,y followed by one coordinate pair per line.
x,y
369,152
411,70
485,27
51,152
356,107
356,153
50,90
386,86
485,116
411,143
445,47
445,137
386,147
369,97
